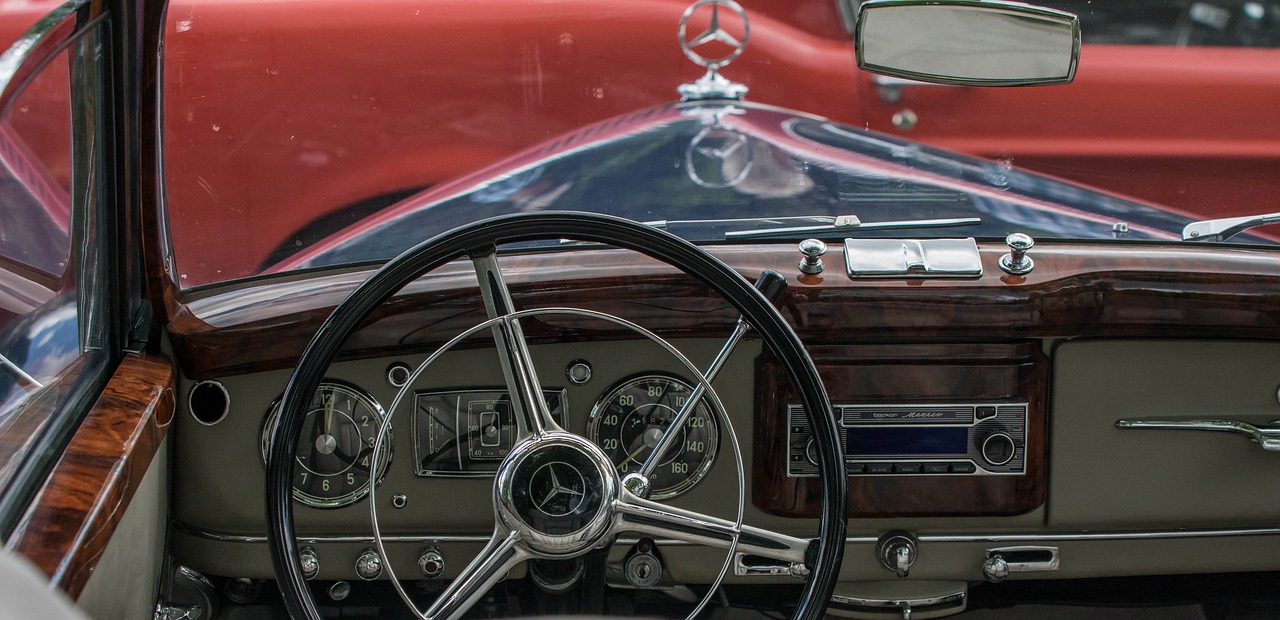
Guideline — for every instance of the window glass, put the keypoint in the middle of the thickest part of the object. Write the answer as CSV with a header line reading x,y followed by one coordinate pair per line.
x,y
52,170
38,327
1183,23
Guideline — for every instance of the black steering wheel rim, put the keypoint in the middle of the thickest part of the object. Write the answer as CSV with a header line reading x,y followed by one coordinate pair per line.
x,y
324,347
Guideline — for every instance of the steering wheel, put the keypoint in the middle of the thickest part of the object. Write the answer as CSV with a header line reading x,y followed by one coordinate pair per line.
x,y
608,506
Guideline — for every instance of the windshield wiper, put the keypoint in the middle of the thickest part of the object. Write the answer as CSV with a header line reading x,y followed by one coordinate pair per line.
x,y
849,223
813,224
1225,228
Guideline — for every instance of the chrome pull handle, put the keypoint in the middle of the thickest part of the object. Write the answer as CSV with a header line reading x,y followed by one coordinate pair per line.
x,y
1266,434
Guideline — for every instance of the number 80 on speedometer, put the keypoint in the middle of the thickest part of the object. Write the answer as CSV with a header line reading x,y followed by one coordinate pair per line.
x,y
630,419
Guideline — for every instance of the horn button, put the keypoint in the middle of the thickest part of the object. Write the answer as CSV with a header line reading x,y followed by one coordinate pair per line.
x,y
556,492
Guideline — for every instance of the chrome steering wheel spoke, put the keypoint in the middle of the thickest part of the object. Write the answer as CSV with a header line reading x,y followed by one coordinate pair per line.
x,y
642,516
532,415
502,553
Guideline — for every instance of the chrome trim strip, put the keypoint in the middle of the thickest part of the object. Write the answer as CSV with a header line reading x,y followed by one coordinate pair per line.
x,y
38,45
324,538
341,539
851,540
881,605
1119,535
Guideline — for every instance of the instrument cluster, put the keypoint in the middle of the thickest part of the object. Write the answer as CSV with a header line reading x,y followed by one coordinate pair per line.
x,y
467,433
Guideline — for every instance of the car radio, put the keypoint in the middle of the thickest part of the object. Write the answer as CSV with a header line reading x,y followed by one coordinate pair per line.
x,y
913,440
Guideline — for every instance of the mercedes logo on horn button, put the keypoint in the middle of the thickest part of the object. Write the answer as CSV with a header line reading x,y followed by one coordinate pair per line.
x,y
557,489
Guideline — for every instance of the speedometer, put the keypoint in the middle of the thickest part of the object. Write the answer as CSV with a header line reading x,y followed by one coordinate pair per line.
x,y
631,418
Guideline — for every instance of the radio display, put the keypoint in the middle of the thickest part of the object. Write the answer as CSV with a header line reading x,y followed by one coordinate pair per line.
x,y
889,441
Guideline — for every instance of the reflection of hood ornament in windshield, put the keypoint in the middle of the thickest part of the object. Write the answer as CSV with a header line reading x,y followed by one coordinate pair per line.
x,y
719,156
716,36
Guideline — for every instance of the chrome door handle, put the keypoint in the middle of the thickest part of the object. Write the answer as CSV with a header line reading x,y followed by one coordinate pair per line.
x,y
1265,434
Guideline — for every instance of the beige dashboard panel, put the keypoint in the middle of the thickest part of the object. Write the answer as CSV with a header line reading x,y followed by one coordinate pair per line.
x,y
1104,477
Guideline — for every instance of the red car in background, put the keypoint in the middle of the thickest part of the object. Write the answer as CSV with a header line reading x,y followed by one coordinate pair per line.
x,y
313,167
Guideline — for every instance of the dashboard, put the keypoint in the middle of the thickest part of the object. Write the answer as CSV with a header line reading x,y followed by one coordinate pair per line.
x,y
979,415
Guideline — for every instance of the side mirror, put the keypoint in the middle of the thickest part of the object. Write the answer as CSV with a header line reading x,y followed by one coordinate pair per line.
x,y
968,42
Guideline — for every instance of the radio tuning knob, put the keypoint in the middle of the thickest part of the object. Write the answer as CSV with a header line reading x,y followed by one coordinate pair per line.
x,y
998,449
811,452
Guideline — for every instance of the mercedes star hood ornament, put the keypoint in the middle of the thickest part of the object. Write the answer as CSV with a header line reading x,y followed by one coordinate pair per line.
x,y
713,85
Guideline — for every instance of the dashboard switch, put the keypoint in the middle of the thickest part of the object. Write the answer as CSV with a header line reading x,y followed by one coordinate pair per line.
x,y
897,552
431,563
995,569
309,562
369,565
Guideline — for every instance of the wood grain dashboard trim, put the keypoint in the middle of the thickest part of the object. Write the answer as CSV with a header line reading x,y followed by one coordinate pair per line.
x,y
1077,289
70,522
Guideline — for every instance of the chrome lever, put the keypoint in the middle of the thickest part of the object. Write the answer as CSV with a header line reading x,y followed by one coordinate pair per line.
x,y
1266,434
1227,227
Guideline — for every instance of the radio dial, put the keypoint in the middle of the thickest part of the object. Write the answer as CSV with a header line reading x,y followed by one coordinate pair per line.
x,y
811,452
997,449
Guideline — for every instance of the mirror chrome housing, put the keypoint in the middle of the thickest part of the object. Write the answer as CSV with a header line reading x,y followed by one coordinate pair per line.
x,y
968,42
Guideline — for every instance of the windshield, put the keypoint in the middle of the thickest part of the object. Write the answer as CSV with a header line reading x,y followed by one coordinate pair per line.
x,y
346,133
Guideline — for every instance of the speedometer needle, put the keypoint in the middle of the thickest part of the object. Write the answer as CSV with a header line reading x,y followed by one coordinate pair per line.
x,y
636,453
648,440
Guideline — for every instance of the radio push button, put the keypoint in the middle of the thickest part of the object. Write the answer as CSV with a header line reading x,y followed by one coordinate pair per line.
x,y
854,468
906,468
936,468
879,468
963,467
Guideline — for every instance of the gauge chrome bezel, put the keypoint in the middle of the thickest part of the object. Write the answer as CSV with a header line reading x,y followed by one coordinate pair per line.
x,y
716,414
375,475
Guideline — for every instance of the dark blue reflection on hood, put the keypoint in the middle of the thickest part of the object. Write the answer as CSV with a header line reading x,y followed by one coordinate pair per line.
x,y
713,161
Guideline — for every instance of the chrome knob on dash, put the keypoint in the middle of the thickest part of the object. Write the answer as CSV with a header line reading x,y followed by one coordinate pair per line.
x,y
1016,261
369,565
995,569
431,563
310,563
897,551
812,249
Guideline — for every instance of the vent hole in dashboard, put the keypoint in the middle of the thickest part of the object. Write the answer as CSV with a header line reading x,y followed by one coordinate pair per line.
x,y
208,402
